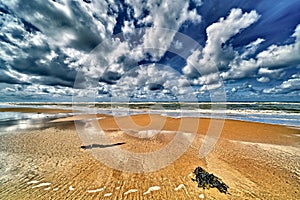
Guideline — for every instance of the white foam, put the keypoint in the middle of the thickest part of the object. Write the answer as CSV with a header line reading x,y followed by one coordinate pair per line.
x,y
107,194
272,147
167,132
33,182
41,185
179,187
96,190
150,189
48,188
71,188
55,189
142,134
130,191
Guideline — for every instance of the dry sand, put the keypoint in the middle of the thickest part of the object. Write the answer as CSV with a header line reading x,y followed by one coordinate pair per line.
x,y
256,161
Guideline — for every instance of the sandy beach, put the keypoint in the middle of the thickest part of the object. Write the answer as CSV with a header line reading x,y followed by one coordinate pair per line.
x,y
256,160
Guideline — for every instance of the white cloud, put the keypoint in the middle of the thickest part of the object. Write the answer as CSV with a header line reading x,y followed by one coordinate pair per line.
x,y
37,92
290,85
219,32
63,43
268,63
166,14
17,38
66,31
18,76
211,87
193,16
45,45
138,7
128,27
215,55
56,20
296,75
240,69
234,90
263,79
251,48
152,81
209,79
114,56
281,56
177,45
192,67
271,73
198,2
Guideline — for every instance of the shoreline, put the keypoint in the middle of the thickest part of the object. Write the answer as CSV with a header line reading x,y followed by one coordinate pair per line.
x,y
262,115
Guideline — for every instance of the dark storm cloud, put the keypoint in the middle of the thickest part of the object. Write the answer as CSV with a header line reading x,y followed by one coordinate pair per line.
x,y
155,86
32,30
6,78
51,69
55,22
110,77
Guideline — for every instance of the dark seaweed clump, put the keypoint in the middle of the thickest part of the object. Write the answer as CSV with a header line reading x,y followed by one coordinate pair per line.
x,y
207,180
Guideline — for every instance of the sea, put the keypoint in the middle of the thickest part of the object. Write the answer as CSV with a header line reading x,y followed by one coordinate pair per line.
x,y
283,113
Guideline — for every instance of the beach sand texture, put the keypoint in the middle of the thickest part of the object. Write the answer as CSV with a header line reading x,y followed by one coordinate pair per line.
x,y
256,161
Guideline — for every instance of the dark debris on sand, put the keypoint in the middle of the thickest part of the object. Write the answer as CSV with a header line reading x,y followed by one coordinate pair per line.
x,y
207,180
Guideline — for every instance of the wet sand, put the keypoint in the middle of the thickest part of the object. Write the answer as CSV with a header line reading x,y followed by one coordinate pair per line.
x,y
35,110
256,161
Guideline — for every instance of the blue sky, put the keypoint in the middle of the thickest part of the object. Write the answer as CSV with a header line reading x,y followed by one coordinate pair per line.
x,y
151,50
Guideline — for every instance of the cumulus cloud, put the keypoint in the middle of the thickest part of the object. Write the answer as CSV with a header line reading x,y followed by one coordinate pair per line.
x,y
277,56
5,77
251,48
216,55
263,79
56,20
198,2
272,73
115,57
169,15
268,64
290,85
240,68
153,81
220,32
43,42
35,92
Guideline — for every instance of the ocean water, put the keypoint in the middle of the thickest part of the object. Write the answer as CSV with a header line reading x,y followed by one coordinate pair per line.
x,y
283,113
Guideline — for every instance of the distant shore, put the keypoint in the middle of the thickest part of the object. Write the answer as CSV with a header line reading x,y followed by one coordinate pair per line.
x,y
255,160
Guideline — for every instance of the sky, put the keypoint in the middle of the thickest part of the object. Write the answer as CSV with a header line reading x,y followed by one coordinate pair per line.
x,y
149,50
